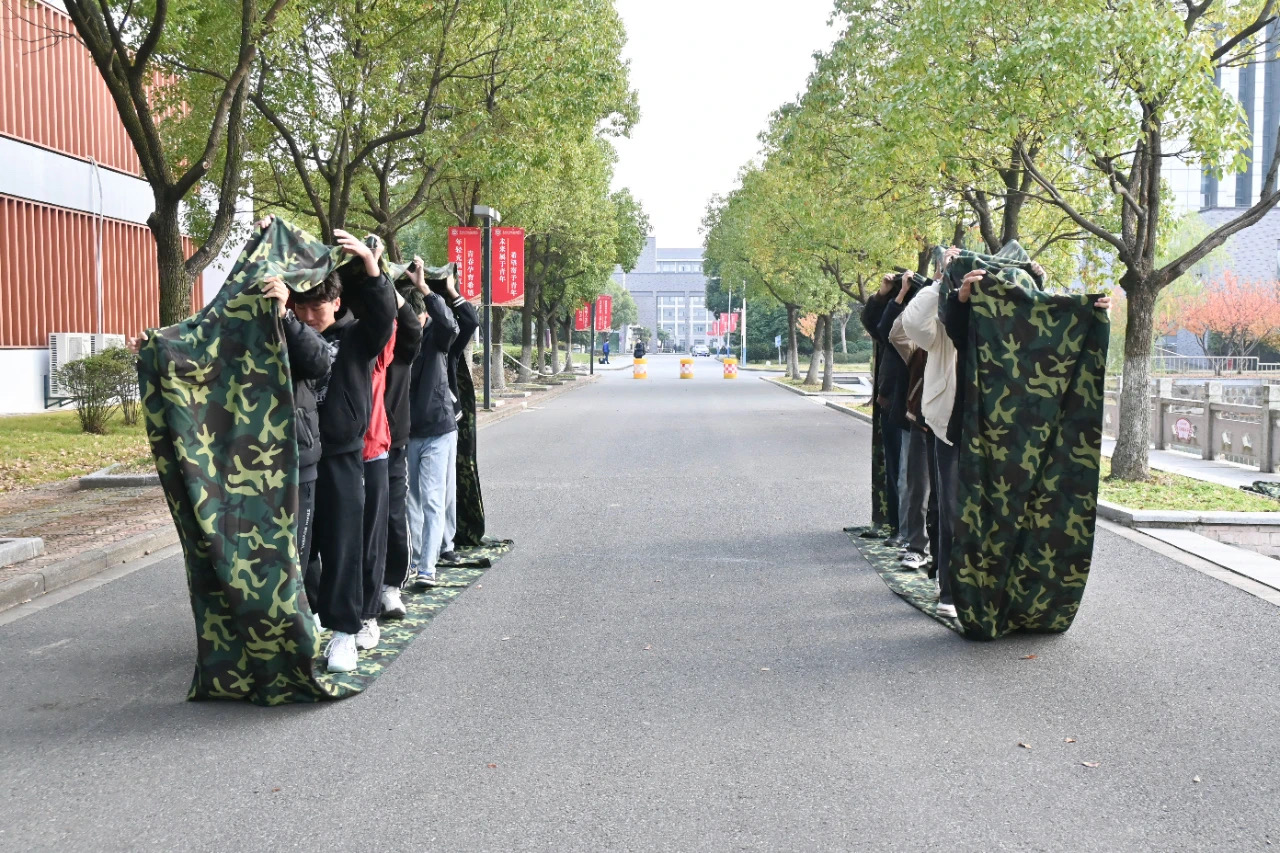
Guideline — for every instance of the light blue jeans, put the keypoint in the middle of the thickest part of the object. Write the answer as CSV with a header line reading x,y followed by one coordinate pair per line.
x,y
429,461
451,499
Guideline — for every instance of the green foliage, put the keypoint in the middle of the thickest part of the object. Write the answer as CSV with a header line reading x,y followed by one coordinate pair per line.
x,y
94,383
126,390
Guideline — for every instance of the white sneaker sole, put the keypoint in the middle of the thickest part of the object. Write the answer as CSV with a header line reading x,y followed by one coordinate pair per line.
x,y
333,667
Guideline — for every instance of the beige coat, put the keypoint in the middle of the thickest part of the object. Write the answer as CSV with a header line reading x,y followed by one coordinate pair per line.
x,y
921,324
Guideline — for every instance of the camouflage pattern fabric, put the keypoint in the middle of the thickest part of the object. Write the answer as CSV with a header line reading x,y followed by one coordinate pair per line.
x,y
918,590
478,556
1265,488
421,606
879,497
219,415
1030,449
470,531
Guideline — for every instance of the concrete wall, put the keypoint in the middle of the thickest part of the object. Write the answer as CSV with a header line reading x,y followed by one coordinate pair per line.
x,y
22,390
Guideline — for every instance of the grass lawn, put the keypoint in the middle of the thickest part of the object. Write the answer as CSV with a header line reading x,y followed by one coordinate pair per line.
x,y
44,448
1176,492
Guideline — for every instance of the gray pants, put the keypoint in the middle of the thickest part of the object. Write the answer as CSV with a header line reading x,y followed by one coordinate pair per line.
x,y
913,491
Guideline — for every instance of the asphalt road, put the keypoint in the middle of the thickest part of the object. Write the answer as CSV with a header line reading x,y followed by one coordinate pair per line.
x,y
683,653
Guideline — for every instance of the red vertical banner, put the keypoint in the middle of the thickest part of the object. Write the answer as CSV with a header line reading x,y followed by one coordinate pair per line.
x,y
604,312
508,266
582,319
733,321
464,250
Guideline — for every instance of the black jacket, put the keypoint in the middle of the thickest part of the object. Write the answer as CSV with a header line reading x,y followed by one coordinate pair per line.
x,y
894,378
468,321
408,337
346,400
309,361
430,400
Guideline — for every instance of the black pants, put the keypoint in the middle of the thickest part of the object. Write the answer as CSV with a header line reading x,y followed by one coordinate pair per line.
x,y
946,482
306,518
397,517
375,536
339,542
891,440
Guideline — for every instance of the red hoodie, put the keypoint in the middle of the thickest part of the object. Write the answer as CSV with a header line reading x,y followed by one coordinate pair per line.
x,y
377,440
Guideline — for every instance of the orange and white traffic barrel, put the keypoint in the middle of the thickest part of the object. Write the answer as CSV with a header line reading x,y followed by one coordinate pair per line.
x,y
730,368
686,368
640,369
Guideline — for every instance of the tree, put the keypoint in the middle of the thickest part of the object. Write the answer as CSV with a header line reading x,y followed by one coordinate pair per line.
x,y
1237,315
179,75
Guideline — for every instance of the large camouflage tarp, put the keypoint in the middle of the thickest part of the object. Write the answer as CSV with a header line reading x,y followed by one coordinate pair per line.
x,y
470,501
219,414
1029,462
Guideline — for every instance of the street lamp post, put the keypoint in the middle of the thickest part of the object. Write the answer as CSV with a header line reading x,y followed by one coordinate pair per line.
x,y
489,217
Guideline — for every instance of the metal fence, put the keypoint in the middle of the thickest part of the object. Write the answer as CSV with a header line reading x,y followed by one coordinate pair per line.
x,y
1217,365
1212,419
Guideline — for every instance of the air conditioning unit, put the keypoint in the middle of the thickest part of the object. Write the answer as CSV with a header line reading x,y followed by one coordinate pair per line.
x,y
102,343
64,348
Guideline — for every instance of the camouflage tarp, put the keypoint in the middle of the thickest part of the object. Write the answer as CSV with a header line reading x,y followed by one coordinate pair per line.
x,y
1034,372
470,532
219,415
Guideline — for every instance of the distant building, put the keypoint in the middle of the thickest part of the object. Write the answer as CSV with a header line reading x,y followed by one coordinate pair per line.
x,y
1254,253
670,291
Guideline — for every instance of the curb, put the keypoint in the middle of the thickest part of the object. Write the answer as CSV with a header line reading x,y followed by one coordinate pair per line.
x,y
24,587
845,410
15,550
802,393
1178,518
104,479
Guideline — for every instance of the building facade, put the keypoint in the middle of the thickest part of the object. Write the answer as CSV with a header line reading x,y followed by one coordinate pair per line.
x,y
75,252
670,292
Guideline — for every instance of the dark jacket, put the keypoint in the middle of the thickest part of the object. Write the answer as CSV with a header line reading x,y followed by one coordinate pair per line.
x,y
468,321
309,362
872,311
408,337
346,400
954,315
895,379
639,351
431,411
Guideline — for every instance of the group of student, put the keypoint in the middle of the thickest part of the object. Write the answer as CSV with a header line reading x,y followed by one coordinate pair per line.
x,y
922,335
376,418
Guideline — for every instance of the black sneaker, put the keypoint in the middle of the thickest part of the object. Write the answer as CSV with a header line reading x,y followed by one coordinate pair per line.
x,y
450,557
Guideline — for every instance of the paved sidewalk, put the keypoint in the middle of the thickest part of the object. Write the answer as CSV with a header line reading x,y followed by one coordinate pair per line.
x,y
1211,471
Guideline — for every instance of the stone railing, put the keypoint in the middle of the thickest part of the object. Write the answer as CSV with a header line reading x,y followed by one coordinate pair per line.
x,y
1211,424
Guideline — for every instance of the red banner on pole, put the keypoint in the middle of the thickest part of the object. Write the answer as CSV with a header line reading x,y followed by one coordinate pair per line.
x,y
604,312
582,318
464,250
508,266
733,321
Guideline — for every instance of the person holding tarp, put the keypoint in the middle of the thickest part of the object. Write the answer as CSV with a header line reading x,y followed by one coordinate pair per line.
x,y
1013,399
888,385
218,395
346,403
464,313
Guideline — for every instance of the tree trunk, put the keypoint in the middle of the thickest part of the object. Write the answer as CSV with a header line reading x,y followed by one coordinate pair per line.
x,y
811,378
829,356
497,373
568,346
554,328
542,343
175,284
793,346
1133,437
844,332
526,340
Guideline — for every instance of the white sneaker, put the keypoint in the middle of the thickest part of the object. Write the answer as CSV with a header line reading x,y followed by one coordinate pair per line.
x,y
392,603
947,611
369,635
341,652
320,629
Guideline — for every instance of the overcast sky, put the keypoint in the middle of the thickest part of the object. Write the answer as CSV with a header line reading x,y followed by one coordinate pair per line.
x,y
709,73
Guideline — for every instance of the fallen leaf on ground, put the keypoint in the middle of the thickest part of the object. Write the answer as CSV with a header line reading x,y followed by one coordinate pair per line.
x,y
648,648
1090,763
1068,740
1028,657
1024,745
1195,779
493,767
764,669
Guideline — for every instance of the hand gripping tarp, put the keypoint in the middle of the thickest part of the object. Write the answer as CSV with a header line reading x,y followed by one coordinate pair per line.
x,y
1029,462
219,416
